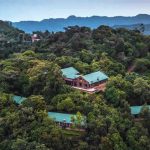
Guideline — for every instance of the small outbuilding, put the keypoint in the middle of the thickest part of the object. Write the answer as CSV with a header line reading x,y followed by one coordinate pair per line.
x,y
135,110
18,99
67,120
35,38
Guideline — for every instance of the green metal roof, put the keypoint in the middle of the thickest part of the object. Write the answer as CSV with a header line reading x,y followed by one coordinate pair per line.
x,y
95,77
70,73
135,110
18,99
60,117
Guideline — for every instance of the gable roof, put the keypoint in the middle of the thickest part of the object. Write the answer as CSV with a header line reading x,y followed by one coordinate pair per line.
x,y
95,77
18,99
70,72
135,110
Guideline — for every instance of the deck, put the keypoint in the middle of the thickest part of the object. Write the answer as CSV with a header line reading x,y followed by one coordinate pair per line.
x,y
93,90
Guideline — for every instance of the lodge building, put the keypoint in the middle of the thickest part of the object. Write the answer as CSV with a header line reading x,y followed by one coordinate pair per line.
x,y
66,120
90,83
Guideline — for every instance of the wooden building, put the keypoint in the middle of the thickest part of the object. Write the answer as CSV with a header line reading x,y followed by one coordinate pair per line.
x,y
90,83
67,120
35,38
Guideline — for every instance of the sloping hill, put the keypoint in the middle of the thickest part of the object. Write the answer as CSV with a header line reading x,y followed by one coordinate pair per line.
x,y
5,26
10,39
8,32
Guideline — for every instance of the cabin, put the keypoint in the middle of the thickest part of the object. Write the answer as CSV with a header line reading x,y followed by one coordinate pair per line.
x,y
90,83
35,38
135,110
18,99
67,120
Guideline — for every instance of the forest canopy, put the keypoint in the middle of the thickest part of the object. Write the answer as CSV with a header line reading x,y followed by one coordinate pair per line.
x,y
33,70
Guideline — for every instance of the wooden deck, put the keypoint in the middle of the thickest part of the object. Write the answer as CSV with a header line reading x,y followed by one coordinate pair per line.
x,y
93,90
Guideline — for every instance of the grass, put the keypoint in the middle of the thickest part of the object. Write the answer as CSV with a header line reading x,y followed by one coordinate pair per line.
x,y
72,133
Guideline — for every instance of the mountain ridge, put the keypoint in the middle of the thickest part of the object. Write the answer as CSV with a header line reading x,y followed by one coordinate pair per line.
x,y
58,24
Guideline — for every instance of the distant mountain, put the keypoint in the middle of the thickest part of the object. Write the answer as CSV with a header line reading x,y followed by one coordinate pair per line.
x,y
93,22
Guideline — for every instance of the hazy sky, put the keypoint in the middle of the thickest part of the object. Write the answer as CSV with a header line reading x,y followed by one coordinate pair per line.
x,y
16,10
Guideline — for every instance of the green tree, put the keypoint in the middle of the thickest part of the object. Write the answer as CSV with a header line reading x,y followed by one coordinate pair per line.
x,y
37,102
66,105
141,89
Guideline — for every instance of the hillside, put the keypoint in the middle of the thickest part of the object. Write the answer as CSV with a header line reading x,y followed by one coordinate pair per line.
x,y
92,22
5,26
135,26
8,32
11,39
32,76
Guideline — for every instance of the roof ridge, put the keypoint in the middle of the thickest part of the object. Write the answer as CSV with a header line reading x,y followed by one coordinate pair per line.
x,y
93,72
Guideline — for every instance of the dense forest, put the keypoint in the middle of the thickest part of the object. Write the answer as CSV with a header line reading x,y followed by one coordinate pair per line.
x,y
33,70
